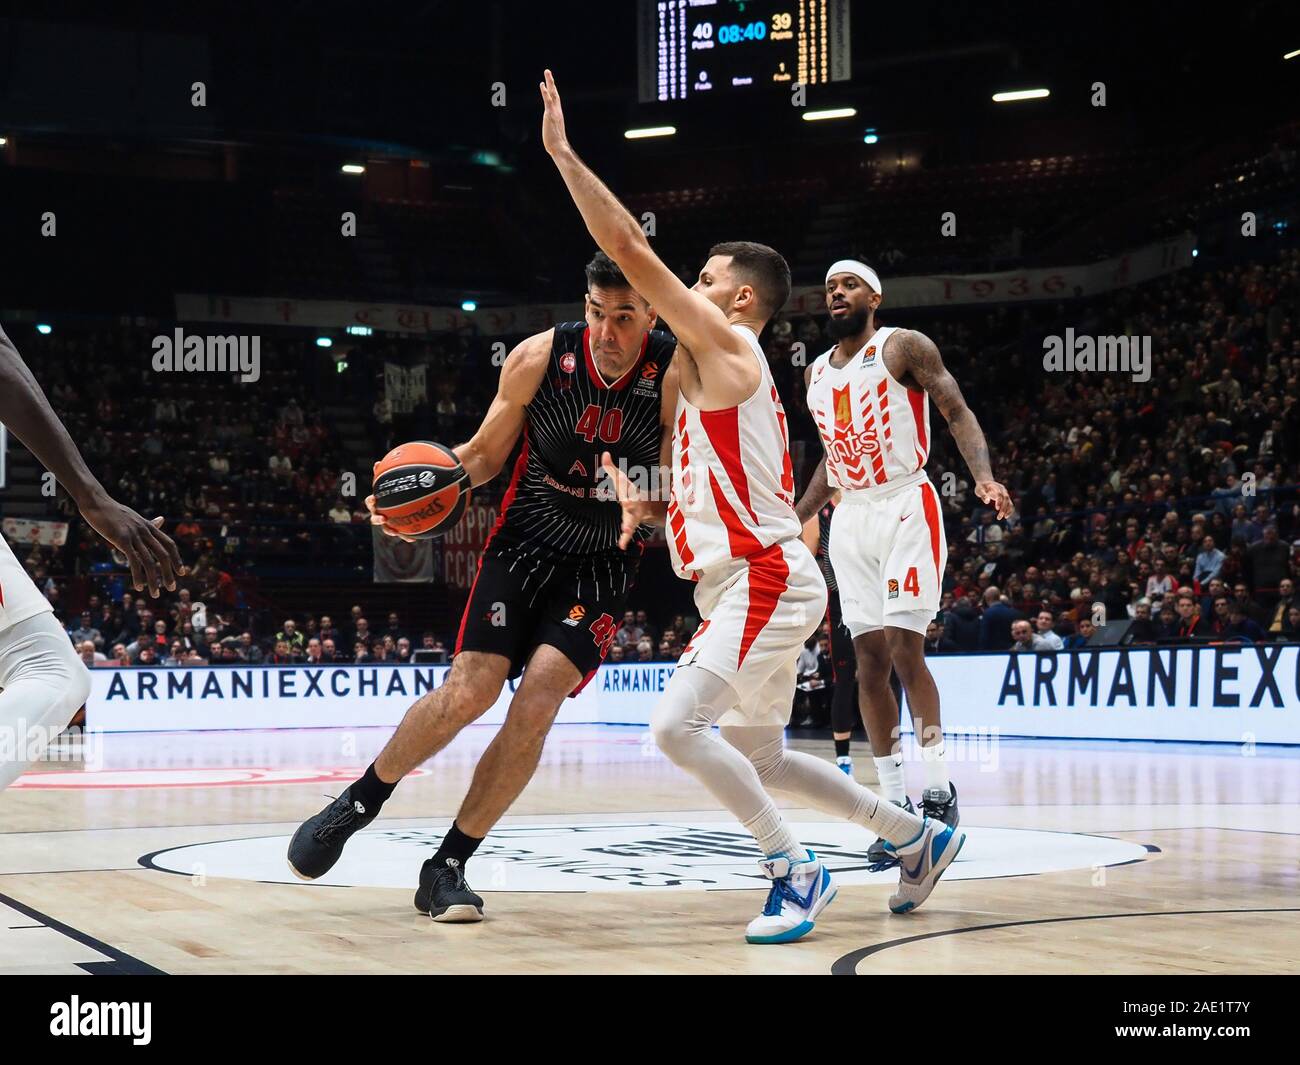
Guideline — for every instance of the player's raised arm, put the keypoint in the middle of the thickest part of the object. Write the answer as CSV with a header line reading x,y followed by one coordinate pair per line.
x,y
24,410
697,323
925,365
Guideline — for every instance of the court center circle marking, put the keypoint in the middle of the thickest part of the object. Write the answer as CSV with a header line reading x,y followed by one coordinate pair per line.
x,y
633,856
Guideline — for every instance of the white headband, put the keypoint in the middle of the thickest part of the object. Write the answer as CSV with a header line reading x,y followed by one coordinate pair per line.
x,y
862,270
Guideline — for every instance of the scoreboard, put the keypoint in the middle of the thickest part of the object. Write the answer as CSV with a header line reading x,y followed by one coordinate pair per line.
x,y
695,48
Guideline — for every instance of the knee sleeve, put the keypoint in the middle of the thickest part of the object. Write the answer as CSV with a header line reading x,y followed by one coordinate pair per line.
x,y
763,746
692,702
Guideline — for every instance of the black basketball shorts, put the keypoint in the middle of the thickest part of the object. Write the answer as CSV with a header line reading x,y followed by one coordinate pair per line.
x,y
521,600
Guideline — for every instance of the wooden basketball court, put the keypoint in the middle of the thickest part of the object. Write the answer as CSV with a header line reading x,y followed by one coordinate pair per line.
x,y
164,853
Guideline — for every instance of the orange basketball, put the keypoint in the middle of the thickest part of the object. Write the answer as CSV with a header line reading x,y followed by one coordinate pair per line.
x,y
421,489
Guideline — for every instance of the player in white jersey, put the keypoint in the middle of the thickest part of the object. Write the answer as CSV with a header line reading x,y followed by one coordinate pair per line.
x,y
869,396
732,528
42,681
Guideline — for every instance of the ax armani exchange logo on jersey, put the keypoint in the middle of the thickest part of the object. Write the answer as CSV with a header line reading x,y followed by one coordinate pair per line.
x,y
634,855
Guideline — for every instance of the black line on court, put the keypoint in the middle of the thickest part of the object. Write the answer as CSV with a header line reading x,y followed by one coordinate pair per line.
x,y
848,964
122,964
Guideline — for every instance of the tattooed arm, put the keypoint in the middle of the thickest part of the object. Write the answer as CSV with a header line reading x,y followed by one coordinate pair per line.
x,y
925,367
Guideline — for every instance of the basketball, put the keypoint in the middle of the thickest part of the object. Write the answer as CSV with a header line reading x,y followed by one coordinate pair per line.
x,y
421,489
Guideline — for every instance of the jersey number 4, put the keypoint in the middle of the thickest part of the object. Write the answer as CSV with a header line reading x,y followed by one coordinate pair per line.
x,y
603,630
610,428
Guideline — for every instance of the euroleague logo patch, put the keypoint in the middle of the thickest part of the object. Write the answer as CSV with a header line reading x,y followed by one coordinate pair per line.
x,y
869,356
568,362
650,371
426,479
892,586
576,613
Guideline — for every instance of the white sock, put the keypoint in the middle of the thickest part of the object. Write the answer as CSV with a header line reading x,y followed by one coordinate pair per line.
x,y
774,835
886,820
936,766
890,771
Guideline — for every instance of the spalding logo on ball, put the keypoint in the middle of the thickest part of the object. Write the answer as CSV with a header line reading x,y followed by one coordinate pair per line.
x,y
421,489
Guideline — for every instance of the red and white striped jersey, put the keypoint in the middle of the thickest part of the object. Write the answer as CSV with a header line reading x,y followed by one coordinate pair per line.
x,y
874,430
733,484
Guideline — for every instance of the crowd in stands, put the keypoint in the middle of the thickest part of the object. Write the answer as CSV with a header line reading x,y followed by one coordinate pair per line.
x,y
138,631
1171,501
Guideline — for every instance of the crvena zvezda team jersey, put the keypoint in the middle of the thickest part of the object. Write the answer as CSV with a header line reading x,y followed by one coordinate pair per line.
x,y
874,430
733,484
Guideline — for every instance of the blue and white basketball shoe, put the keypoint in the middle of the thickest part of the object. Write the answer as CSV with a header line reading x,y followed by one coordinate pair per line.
x,y
922,861
800,891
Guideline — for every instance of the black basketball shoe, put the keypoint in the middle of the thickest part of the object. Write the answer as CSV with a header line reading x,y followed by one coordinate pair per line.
x,y
941,805
444,895
318,843
878,857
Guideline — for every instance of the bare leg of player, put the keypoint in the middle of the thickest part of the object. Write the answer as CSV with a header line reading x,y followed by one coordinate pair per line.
x,y
511,758
502,773
907,651
470,687
880,713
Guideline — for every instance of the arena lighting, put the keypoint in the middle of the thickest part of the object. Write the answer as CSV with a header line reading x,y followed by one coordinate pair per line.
x,y
870,138
353,168
834,112
359,330
1289,55
1194,252
649,131
324,342
1020,94
44,330
468,305
3,141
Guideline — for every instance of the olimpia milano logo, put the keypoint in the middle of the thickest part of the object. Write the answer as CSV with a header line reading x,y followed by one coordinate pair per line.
x,y
633,855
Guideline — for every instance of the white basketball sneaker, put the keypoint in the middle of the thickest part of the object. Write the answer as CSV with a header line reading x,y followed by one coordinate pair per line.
x,y
800,891
922,861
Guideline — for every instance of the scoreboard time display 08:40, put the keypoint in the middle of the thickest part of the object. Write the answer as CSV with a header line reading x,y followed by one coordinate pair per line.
x,y
695,48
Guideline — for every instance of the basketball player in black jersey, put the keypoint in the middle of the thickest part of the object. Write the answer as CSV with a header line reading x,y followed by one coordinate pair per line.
x,y
552,581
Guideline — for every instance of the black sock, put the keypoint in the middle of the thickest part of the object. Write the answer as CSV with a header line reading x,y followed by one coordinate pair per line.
x,y
455,844
841,748
370,791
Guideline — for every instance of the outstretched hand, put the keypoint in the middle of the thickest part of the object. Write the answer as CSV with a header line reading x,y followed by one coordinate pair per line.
x,y
150,552
553,136
637,509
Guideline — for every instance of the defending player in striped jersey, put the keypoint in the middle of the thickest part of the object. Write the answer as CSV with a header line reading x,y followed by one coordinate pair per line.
x,y
870,398
42,681
732,528
552,580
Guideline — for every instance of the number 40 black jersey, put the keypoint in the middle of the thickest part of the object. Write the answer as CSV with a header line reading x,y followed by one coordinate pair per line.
x,y
559,501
